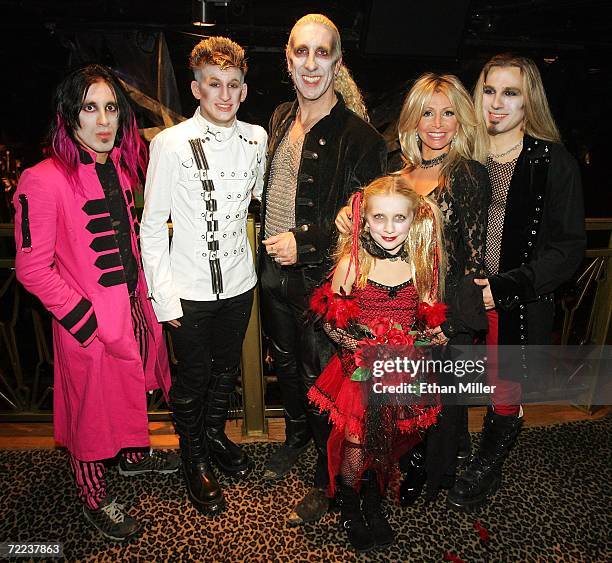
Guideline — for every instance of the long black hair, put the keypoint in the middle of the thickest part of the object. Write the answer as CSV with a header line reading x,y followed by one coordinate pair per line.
x,y
68,101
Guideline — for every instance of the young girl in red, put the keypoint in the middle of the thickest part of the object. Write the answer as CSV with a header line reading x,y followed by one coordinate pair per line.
x,y
388,270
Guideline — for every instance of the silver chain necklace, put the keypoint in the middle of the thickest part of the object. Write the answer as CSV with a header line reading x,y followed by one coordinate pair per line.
x,y
502,154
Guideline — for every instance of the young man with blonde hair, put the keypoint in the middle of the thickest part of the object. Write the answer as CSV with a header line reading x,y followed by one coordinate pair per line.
x,y
203,173
535,242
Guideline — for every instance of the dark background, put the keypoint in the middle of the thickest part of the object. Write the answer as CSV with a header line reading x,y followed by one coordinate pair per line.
x,y
387,44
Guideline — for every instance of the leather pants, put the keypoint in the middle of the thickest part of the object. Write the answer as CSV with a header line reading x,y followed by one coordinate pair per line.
x,y
300,350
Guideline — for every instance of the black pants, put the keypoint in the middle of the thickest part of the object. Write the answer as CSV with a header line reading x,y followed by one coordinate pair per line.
x,y
300,350
208,343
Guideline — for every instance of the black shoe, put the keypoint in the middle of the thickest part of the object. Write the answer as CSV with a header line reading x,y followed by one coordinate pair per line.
x,y
229,457
203,489
311,508
414,481
281,462
373,511
482,476
112,521
351,519
154,462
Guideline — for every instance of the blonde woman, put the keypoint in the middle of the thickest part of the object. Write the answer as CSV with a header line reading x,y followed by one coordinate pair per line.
x,y
442,143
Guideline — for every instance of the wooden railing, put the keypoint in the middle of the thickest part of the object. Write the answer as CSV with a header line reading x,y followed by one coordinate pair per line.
x,y
26,362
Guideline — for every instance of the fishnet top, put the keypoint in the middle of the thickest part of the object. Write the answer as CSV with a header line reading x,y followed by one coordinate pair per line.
x,y
500,174
280,202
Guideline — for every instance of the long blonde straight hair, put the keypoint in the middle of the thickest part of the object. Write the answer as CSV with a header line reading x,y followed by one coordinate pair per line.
x,y
470,142
538,122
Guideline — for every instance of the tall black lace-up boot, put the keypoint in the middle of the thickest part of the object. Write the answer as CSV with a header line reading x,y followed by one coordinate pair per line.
x,y
482,476
373,511
229,457
204,490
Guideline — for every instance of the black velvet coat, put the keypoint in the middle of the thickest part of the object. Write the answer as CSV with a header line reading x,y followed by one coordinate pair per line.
x,y
543,241
340,154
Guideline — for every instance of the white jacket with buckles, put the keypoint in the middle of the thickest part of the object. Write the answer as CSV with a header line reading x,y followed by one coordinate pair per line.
x,y
209,221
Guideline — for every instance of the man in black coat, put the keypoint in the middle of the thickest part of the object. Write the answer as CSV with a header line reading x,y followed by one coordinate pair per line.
x,y
320,151
535,242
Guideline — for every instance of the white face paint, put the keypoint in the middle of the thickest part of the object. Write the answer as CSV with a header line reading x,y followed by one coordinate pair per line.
x,y
503,102
437,126
388,218
220,93
311,62
98,120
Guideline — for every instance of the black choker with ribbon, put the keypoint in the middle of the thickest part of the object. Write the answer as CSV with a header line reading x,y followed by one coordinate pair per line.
x,y
373,248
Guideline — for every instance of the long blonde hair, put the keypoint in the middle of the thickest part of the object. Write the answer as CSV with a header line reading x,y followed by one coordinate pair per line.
x,y
424,243
471,140
538,121
343,81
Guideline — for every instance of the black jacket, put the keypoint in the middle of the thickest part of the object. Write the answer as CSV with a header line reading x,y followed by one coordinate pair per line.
x,y
340,154
543,241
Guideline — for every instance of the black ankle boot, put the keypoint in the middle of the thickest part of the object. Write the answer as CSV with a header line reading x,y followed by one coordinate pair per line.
x,y
482,476
228,456
297,432
297,437
204,491
414,481
351,519
373,511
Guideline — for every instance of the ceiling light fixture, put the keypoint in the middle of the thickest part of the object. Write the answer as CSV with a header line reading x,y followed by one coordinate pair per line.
x,y
201,11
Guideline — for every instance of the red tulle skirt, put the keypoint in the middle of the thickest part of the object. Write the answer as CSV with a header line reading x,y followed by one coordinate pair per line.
x,y
346,401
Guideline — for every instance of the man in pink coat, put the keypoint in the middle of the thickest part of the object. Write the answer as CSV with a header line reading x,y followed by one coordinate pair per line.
x,y
76,233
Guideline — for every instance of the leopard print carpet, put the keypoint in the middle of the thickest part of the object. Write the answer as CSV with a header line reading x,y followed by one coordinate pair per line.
x,y
554,506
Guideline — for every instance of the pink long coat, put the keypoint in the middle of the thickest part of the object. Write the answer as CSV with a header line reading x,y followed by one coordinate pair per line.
x,y
67,256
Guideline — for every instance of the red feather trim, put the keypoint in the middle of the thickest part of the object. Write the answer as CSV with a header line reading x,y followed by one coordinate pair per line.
x,y
342,310
432,315
332,307
320,299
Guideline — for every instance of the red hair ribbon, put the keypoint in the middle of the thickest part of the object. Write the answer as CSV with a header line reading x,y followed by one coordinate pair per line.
x,y
356,209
